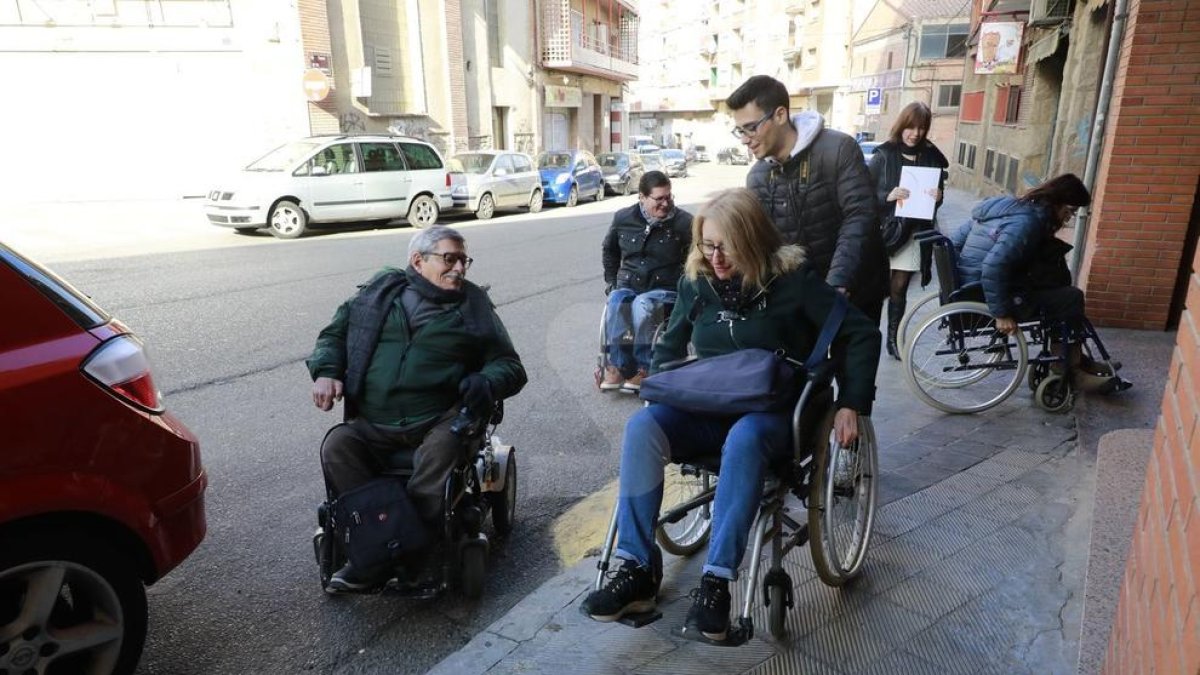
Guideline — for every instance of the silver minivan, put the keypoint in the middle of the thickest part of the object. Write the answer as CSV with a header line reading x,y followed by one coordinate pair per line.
x,y
329,179
488,180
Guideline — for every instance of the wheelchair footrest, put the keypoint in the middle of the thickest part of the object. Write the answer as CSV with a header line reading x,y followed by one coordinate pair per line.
x,y
738,635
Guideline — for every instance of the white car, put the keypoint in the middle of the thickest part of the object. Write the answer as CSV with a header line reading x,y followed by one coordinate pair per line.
x,y
330,179
488,180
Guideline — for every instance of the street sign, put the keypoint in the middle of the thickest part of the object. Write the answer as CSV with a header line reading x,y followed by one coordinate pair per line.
x,y
316,85
874,101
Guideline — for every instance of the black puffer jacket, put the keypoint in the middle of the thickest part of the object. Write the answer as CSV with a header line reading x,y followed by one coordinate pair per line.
x,y
642,258
885,175
832,214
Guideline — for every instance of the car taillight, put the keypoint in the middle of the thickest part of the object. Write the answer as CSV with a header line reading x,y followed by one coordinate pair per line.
x,y
120,366
447,180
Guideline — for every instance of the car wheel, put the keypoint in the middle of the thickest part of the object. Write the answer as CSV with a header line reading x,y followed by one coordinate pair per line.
x,y
573,196
423,212
625,187
70,603
600,194
487,207
288,220
536,201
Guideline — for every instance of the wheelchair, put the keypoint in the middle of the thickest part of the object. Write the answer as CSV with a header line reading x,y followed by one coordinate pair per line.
x,y
836,525
662,312
483,485
957,362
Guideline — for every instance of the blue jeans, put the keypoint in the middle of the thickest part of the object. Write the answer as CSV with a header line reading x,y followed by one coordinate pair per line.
x,y
641,315
658,435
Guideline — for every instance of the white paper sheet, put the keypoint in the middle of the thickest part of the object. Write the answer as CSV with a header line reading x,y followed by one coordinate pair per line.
x,y
922,184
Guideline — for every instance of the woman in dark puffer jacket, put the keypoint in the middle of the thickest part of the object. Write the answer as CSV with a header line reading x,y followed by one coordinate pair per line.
x,y
1010,246
906,146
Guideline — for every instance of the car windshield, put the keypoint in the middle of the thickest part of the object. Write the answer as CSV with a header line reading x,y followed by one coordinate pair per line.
x,y
652,161
611,159
554,160
673,154
472,162
700,148
284,157
868,148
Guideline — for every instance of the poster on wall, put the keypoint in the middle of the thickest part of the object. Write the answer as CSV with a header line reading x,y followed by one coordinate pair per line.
x,y
563,97
999,48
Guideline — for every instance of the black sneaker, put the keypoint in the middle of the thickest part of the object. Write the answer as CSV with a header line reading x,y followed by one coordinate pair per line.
x,y
350,579
630,589
710,608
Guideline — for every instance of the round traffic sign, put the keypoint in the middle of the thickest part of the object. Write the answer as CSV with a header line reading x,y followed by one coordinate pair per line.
x,y
316,85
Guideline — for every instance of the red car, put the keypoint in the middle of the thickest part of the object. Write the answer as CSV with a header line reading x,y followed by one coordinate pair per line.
x,y
101,490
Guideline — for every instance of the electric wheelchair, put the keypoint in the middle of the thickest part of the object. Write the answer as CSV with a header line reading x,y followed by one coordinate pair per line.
x,y
482,485
956,361
836,523
659,317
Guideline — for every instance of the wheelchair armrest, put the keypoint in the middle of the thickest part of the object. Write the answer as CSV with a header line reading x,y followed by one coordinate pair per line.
x,y
672,365
822,374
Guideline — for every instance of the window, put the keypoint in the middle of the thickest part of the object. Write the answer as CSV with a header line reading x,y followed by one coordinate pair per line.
x,y
972,107
505,162
1001,168
971,157
810,60
1011,183
989,162
889,61
380,157
420,157
944,42
522,163
336,159
962,152
495,47
1008,105
966,155
949,95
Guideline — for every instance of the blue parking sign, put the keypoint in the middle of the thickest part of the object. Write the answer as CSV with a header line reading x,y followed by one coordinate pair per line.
x,y
874,101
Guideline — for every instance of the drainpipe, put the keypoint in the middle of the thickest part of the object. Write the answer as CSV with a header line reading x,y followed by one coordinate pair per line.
x,y
1116,36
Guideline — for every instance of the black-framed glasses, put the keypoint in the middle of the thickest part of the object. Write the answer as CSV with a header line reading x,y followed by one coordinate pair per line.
x,y
659,200
750,128
708,249
451,259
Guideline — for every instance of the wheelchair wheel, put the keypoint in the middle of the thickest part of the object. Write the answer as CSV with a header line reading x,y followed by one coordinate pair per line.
x,y
326,550
916,315
778,603
1055,394
958,362
504,503
689,534
472,563
1037,373
841,508
602,355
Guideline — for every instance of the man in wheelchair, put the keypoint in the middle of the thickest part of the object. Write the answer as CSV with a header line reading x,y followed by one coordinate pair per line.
x,y
643,257
742,288
1010,247
408,351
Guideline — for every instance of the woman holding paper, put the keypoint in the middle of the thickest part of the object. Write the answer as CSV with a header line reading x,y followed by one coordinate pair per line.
x,y
909,174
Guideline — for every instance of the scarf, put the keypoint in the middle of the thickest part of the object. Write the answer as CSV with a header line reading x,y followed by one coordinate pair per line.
x,y
651,221
427,290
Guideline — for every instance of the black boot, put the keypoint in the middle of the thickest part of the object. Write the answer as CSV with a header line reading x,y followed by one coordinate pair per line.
x,y
895,313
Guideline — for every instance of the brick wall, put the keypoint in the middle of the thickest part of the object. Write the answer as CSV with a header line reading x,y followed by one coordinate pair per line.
x,y
1147,180
314,37
1147,191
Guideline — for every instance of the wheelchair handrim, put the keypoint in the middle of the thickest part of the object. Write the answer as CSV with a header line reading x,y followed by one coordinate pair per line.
x,y
848,536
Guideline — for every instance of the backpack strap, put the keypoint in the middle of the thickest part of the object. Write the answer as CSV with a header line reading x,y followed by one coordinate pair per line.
x,y
832,323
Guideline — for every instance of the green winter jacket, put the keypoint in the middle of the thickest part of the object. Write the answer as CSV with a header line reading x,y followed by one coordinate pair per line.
x,y
787,314
411,378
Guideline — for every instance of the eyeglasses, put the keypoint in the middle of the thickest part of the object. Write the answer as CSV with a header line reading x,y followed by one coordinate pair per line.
x,y
451,259
659,200
708,249
750,128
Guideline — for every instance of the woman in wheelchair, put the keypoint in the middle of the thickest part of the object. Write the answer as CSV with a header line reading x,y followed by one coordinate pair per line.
x,y
742,288
1009,246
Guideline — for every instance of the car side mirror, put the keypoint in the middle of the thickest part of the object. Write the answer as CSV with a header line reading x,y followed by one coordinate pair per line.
x,y
319,171
500,172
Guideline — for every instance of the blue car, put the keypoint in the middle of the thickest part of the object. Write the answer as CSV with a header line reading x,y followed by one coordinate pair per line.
x,y
570,175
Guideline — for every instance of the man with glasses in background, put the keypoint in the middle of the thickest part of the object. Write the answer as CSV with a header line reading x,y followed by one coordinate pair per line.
x,y
408,351
814,184
643,256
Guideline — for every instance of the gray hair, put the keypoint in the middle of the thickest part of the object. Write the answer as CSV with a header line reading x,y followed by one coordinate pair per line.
x,y
426,240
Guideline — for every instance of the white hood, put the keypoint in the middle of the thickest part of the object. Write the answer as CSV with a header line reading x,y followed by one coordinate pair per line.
x,y
808,124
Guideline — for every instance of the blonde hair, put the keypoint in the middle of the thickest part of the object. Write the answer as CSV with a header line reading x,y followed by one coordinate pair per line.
x,y
755,246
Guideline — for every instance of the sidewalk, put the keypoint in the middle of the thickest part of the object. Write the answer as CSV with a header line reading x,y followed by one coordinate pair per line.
x,y
977,563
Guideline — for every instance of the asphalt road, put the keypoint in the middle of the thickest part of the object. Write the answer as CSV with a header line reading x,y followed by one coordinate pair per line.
x,y
228,328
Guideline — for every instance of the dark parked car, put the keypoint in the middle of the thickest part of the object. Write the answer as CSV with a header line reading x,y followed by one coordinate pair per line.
x,y
732,155
622,171
676,163
101,489
868,150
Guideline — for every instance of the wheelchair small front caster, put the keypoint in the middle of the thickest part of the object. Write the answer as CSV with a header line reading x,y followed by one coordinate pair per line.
x,y
1055,394
472,567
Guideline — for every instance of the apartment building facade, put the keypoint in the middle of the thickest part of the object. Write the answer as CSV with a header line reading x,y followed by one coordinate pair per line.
x,y
160,96
905,51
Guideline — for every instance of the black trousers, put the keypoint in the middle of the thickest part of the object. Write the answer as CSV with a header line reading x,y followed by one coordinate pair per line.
x,y
1064,303
358,452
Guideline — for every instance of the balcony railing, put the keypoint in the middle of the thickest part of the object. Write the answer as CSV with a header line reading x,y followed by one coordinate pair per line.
x,y
606,50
